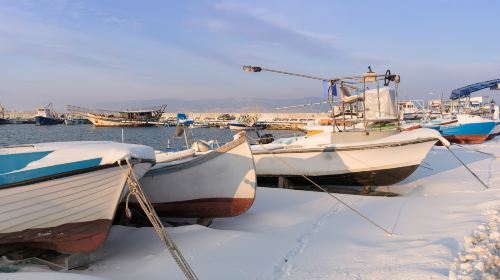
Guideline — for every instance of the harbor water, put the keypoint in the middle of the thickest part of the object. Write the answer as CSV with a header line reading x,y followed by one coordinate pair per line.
x,y
158,137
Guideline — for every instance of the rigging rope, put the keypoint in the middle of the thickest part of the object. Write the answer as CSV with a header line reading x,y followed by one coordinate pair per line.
x,y
136,190
324,190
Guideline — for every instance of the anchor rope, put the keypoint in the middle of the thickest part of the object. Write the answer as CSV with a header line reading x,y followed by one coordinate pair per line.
x,y
468,169
324,190
477,151
136,190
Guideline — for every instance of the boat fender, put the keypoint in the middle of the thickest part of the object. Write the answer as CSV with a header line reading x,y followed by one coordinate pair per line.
x,y
201,146
179,130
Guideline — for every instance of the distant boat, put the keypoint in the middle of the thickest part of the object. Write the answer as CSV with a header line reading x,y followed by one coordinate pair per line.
x,y
217,183
129,118
245,122
182,119
199,125
63,196
72,121
2,116
46,116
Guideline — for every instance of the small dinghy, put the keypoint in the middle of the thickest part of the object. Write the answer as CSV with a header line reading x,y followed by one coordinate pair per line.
x,y
216,183
63,196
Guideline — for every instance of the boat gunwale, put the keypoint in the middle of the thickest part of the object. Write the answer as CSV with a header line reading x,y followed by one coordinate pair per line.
x,y
197,160
73,173
347,148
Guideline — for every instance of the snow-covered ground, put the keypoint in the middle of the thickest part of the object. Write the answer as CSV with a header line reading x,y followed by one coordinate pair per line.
x,y
291,234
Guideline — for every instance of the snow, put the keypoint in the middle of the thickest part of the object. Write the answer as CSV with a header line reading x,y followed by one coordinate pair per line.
x,y
289,234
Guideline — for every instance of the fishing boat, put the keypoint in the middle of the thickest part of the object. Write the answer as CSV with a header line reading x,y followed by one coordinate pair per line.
x,y
468,129
73,121
126,118
199,125
245,122
365,147
63,196
45,115
216,183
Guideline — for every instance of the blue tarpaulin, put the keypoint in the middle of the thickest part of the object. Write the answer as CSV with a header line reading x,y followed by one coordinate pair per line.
x,y
467,90
326,88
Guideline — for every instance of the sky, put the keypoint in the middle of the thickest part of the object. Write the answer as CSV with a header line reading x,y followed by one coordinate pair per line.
x,y
86,52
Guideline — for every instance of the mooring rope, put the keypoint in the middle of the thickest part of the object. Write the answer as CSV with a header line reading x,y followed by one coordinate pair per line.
x,y
324,190
477,151
136,190
466,167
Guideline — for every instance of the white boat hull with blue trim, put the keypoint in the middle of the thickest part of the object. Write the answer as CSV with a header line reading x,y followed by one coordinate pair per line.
x,y
64,206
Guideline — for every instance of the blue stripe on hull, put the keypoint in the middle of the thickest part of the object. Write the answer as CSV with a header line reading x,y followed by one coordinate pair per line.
x,y
14,162
15,177
483,128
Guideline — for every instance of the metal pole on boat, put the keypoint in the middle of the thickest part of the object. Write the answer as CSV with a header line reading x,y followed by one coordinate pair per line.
x,y
123,136
466,167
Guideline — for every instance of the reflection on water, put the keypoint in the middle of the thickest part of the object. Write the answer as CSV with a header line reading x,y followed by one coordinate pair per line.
x,y
156,137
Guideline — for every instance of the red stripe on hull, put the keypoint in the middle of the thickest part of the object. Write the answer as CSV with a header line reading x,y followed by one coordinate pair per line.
x,y
201,208
81,237
467,139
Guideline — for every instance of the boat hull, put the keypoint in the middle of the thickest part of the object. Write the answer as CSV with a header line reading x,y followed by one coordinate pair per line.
x,y
109,122
468,133
221,183
364,165
66,213
380,177
39,120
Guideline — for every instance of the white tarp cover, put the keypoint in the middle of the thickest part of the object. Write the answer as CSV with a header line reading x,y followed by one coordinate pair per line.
x,y
387,108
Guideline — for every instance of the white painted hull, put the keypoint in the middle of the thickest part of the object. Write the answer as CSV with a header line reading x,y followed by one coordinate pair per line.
x,y
68,214
108,122
373,163
218,184
311,162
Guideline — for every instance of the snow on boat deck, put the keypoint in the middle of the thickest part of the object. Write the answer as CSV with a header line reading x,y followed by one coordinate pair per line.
x,y
308,235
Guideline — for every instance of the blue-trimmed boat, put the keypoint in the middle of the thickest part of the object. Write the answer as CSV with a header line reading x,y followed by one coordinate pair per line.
x,y
467,130
63,196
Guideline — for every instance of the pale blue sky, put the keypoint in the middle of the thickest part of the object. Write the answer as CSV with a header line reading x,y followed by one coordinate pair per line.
x,y
70,52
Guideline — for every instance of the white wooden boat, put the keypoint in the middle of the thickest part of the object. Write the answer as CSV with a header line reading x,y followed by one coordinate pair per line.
x,y
126,118
383,159
219,183
367,149
63,196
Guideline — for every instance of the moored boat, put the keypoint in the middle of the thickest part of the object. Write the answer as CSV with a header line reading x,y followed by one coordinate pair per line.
x,y
357,161
63,196
125,118
45,115
218,183
468,129
364,146
245,122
